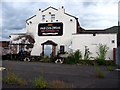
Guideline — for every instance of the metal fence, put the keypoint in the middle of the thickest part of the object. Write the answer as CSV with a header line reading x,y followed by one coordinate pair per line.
x,y
118,56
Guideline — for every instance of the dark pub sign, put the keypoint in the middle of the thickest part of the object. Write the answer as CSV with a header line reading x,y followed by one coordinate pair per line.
x,y
50,29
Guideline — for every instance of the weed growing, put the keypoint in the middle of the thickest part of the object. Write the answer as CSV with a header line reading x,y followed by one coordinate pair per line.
x,y
40,83
60,84
110,68
98,72
13,79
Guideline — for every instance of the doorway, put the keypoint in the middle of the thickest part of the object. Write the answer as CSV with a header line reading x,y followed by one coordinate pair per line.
x,y
49,48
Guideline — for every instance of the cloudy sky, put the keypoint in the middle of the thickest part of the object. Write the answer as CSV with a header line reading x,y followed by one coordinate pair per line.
x,y
94,14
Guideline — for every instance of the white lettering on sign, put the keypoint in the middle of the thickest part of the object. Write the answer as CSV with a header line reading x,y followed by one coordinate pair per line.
x,y
42,28
51,28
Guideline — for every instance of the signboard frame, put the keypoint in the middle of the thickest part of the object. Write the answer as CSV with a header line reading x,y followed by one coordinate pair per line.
x,y
50,29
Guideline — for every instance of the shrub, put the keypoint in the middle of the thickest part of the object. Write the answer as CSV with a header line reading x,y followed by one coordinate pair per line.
x,y
110,63
87,62
74,57
101,61
77,55
102,54
45,59
69,60
40,83
53,58
87,54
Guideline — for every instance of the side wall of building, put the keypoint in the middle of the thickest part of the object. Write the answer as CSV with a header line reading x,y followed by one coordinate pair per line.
x,y
92,42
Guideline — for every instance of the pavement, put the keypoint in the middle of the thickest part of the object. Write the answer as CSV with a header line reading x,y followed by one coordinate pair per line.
x,y
79,76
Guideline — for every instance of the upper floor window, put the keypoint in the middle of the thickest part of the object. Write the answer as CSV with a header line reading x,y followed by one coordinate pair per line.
x,y
43,17
52,16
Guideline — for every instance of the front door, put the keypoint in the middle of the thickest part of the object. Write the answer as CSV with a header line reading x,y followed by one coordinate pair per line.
x,y
48,50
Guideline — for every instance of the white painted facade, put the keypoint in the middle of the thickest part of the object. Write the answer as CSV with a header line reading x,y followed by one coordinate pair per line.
x,y
79,41
69,39
69,27
14,49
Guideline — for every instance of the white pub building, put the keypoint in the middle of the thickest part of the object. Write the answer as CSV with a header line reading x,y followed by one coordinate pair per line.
x,y
53,31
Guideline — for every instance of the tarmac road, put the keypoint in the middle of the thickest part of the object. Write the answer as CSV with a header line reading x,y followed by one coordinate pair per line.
x,y
79,76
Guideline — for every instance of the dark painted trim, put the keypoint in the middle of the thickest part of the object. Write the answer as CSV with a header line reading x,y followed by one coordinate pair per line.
x,y
48,8
71,16
57,10
30,18
48,42
54,9
60,33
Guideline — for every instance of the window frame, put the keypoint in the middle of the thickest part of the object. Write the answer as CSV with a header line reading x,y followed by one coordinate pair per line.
x,y
52,16
43,17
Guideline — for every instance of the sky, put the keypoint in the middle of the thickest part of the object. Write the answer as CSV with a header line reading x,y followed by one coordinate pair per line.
x,y
94,14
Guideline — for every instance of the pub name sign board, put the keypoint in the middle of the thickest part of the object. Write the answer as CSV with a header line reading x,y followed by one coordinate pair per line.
x,y
50,29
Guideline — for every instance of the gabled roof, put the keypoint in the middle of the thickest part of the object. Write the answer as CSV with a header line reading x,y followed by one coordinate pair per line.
x,y
113,29
57,10
42,11
54,9
48,8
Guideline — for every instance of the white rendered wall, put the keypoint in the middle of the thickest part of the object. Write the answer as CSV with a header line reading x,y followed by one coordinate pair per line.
x,y
37,49
12,37
69,27
81,40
